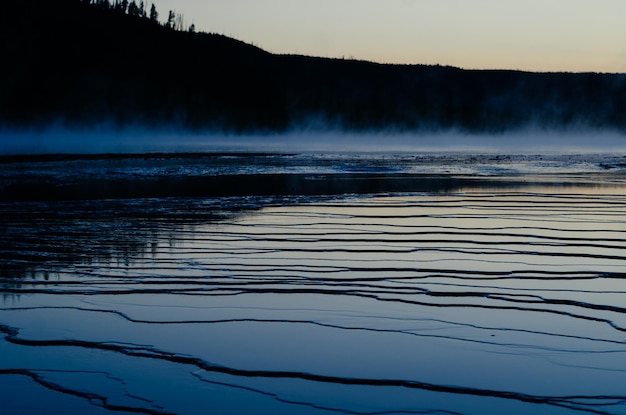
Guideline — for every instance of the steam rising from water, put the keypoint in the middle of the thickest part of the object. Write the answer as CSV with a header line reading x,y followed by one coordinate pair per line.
x,y
110,140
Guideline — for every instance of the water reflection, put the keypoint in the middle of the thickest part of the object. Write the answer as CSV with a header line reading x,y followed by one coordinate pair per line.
x,y
474,297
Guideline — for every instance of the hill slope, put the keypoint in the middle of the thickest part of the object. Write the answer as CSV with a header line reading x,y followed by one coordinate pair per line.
x,y
70,61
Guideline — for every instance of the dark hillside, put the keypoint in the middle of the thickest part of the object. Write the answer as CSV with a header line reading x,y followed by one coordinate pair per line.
x,y
76,62
369,95
79,63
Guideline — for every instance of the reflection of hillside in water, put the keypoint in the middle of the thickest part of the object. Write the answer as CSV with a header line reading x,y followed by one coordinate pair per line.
x,y
40,237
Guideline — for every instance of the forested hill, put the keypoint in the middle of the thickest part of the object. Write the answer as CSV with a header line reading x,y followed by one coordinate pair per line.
x,y
87,62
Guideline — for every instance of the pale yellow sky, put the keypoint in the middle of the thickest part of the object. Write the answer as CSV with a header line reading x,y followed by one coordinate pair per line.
x,y
536,35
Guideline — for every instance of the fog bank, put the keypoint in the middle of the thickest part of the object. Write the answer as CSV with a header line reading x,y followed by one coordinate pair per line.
x,y
104,140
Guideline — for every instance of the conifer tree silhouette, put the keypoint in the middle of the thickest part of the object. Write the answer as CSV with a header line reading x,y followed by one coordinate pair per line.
x,y
154,15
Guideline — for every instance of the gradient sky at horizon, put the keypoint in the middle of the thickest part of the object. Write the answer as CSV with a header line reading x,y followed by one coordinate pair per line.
x,y
534,35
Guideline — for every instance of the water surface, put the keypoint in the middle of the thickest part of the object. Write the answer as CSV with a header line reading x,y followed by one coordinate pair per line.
x,y
395,285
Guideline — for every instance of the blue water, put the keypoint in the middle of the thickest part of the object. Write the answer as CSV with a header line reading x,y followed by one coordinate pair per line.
x,y
496,288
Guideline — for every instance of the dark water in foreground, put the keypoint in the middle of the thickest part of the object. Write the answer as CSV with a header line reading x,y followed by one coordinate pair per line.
x,y
388,286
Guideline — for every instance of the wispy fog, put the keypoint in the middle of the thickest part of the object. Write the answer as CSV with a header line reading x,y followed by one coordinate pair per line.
x,y
137,141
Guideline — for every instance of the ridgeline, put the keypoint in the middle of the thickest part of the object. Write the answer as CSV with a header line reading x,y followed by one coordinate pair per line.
x,y
88,62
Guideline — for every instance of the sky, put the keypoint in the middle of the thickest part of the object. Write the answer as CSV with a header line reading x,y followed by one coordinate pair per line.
x,y
534,35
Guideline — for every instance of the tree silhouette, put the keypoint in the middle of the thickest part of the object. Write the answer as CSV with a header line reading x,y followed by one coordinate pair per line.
x,y
122,6
102,4
171,17
154,15
133,10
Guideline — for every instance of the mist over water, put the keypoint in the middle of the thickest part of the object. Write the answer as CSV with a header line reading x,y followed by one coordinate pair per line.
x,y
110,140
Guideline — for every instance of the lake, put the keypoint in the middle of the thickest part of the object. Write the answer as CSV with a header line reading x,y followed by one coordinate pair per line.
x,y
348,283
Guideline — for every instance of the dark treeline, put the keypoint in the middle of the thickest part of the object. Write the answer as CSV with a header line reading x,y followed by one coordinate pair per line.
x,y
140,9
85,62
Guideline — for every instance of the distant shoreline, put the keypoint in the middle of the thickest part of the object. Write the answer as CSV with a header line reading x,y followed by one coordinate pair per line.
x,y
60,157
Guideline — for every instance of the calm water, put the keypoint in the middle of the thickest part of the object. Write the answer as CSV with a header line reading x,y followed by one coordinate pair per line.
x,y
365,285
